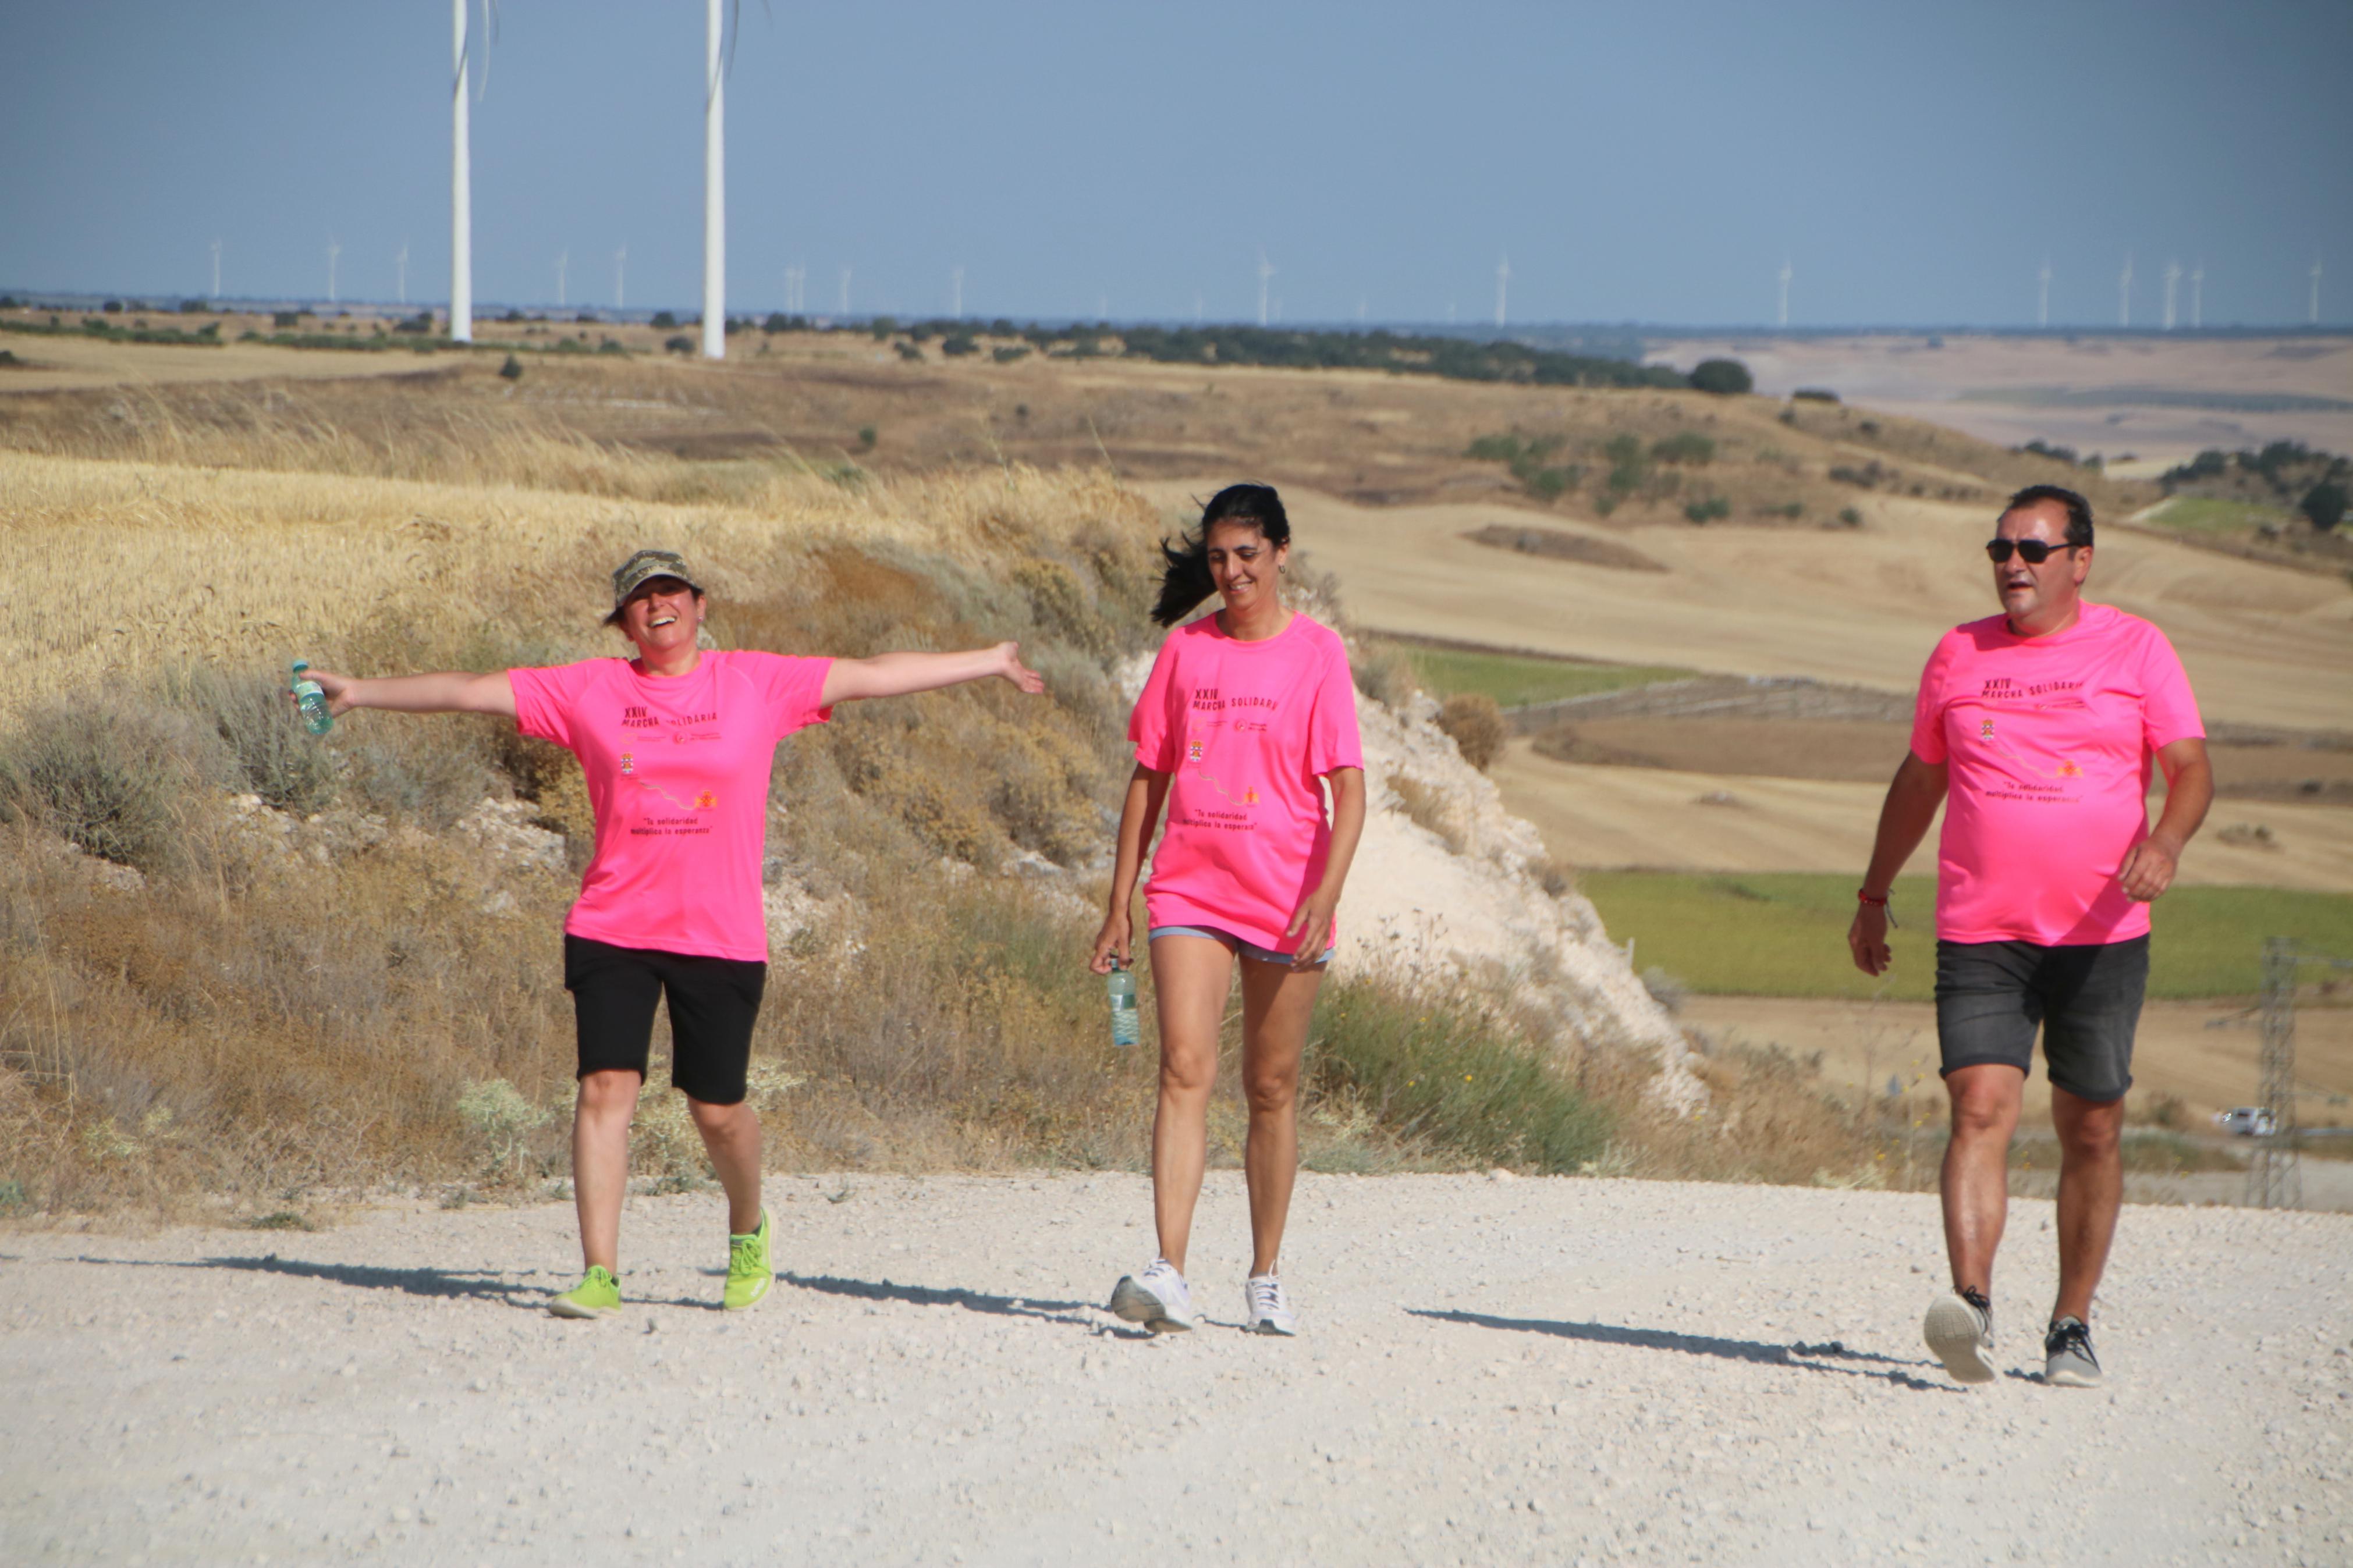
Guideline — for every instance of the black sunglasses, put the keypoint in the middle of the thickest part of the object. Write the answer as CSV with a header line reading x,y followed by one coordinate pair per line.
x,y
2035,552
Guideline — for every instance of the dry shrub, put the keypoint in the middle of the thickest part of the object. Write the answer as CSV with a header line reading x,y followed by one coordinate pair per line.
x,y
1426,806
1768,1118
1476,723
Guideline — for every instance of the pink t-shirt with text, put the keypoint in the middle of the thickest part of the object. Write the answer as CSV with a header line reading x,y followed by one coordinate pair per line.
x,y
678,773
1246,730
2049,741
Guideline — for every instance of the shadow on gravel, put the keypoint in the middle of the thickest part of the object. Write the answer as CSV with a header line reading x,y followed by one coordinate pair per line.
x,y
471,1284
1699,1344
924,1296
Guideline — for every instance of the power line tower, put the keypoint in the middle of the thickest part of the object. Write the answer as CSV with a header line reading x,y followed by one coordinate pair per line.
x,y
2274,1178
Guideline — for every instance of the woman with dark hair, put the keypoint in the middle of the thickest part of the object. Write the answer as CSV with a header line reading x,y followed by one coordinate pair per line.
x,y
1248,715
677,745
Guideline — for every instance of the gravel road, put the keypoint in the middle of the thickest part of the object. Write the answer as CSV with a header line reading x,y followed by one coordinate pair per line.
x,y
1493,1369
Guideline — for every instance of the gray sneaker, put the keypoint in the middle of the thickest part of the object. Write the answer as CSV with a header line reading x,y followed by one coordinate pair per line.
x,y
2071,1363
1959,1329
1157,1298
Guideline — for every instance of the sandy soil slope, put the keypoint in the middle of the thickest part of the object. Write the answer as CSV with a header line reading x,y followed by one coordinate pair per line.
x,y
2202,1053
1560,1369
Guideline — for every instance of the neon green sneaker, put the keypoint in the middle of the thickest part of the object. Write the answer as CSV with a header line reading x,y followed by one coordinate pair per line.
x,y
597,1295
748,1272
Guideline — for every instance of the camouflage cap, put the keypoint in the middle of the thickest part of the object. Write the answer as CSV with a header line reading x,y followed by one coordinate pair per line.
x,y
645,567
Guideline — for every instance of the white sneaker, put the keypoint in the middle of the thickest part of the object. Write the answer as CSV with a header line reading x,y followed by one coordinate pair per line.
x,y
1157,1298
1269,1309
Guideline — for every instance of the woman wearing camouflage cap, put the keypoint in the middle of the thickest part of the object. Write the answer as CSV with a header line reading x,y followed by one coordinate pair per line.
x,y
677,745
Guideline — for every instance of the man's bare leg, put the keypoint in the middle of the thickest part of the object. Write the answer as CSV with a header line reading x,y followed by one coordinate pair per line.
x,y
2091,1192
1975,1180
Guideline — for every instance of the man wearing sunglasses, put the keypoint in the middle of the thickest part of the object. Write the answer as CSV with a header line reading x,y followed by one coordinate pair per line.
x,y
2035,730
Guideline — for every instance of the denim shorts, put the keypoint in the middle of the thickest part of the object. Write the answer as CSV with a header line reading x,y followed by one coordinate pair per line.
x,y
1992,996
1234,943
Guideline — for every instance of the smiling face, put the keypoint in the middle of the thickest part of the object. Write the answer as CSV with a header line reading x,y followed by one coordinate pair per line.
x,y
1242,564
2040,599
662,614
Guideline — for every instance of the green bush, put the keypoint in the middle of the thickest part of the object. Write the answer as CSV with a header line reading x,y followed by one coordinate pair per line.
x,y
1444,1072
664,321
111,777
1684,446
681,344
512,369
910,351
867,436
955,345
286,318
2323,505
882,327
270,752
1708,511
1725,377
1006,353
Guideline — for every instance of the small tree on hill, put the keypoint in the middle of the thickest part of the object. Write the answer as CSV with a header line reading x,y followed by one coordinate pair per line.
x,y
1721,376
2324,505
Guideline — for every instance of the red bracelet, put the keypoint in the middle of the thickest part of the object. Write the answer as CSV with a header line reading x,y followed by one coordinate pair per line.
x,y
1864,897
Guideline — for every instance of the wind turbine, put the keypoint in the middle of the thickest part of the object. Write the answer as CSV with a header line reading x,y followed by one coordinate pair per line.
x,y
400,271
334,250
2042,303
215,268
1265,272
955,289
461,198
2198,295
714,186
2123,294
620,267
2172,279
1785,291
1502,287
2312,312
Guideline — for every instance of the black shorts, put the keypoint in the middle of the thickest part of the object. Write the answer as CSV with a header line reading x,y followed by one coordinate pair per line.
x,y
1992,996
713,1002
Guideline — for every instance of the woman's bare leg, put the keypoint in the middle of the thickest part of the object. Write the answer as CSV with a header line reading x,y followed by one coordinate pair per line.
x,y
1191,976
600,1161
1277,1002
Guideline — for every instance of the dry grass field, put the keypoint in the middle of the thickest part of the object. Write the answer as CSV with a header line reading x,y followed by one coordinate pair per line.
x,y
390,511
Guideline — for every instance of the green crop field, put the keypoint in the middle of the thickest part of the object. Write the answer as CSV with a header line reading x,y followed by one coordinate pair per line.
x,y
2201,514
1783,933
1516,679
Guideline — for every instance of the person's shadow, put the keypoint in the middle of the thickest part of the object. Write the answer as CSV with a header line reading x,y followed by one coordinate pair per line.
x,y
930,1295
468,1284
1828,1358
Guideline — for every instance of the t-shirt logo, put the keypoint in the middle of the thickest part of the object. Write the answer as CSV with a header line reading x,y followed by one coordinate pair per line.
x,y
629,762
2068,769
705,801
1249,796
1985,730
1192,751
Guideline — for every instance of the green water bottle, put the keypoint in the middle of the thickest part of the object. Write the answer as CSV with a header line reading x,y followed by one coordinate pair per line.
x,y
311,699
1125,1029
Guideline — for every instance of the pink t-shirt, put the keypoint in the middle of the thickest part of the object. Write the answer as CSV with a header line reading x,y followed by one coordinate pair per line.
x,y
678,773
2049,741
1246,730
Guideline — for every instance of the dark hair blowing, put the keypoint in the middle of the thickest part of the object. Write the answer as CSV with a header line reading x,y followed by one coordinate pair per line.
x,y
2079,510
1186,580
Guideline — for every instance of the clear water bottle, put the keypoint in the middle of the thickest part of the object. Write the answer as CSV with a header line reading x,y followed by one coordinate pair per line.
x,y
311,699
1125,1029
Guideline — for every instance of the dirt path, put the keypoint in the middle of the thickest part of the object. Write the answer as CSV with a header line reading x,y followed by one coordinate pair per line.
x,y
1553,1370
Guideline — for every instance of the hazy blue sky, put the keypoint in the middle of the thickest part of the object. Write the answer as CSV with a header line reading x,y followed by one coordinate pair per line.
x,y
1638,162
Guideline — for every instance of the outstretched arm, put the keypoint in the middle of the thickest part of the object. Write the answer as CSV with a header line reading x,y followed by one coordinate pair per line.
x,y
451,692
1912,801
897,674
1314,915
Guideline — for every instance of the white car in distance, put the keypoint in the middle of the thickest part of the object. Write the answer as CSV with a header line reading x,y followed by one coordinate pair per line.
x,y
2245,1121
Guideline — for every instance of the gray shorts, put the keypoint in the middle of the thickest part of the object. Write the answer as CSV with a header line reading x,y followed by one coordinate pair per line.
x,y
1992,996
1234,943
